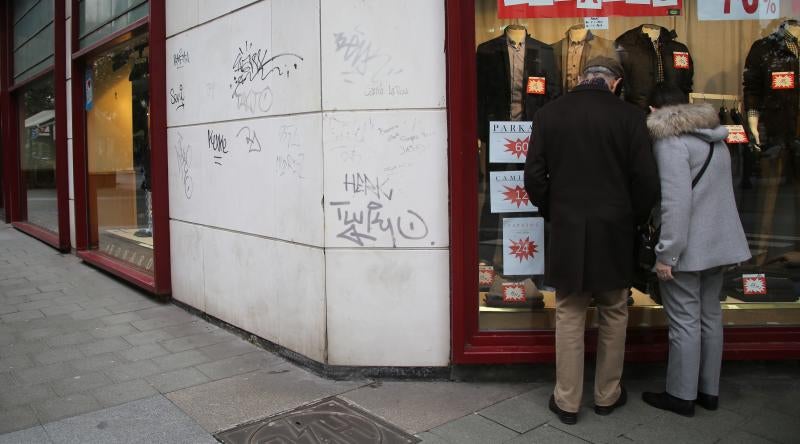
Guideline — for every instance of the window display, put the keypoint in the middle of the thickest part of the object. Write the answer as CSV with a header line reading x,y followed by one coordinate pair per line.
x,y
118,146
742,61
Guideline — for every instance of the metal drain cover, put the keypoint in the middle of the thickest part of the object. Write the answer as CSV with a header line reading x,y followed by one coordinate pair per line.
x,y
330,421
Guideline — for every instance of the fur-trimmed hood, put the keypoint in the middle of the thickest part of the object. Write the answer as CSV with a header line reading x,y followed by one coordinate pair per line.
x,y
700,120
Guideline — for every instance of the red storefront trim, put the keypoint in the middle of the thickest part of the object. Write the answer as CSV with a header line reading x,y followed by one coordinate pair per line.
x,y
469,344
16,210
155,24
5,106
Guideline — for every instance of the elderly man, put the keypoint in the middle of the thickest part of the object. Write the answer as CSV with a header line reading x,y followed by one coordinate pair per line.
x,y
593,176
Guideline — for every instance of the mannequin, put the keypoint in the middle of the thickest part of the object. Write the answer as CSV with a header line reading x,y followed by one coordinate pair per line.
x,y
572,52
650,54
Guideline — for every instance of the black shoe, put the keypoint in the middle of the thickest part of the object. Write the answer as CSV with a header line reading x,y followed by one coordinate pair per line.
x,y
665,401
604,410
708,402
565,417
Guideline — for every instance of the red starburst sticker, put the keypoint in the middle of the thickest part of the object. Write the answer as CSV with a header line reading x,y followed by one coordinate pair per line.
x,y
783,80
754,284
736,134
680,60
524,249
516,195
517,147
513,292
536,85
485,275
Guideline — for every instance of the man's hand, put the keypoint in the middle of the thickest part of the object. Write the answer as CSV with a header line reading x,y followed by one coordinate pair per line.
x,y
663,271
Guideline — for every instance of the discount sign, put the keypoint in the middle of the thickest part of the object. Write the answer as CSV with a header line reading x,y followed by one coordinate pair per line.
x,y
739,9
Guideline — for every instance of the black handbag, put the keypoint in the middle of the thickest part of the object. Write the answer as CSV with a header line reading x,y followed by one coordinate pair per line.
x,y
647,236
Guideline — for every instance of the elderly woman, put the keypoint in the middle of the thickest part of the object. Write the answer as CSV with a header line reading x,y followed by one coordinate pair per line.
x,y
700,234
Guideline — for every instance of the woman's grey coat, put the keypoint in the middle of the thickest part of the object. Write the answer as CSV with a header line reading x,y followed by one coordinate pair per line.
x,y
700,226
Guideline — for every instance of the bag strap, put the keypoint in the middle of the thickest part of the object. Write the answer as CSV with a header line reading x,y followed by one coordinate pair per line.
x,y
705,165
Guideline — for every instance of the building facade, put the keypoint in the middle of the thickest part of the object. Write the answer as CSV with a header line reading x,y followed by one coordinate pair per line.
x,y
342,178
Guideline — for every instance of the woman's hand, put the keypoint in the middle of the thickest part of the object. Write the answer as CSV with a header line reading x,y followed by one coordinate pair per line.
x,y
663,271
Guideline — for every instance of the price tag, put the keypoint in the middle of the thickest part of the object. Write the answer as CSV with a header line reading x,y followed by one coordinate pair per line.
x,y
595,23
508,141
754,284
739,10
736,134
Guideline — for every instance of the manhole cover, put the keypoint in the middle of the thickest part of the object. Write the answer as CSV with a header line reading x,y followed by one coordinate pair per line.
x,y
330,421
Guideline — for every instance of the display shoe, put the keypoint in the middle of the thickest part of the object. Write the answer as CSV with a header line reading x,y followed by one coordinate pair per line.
x,y
604,410
564,416
665,401
708,402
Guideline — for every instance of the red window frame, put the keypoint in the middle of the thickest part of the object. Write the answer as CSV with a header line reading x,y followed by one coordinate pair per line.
x,y
469,344
160,281
15,204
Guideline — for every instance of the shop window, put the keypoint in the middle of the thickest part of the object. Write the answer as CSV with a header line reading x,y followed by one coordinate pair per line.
x,y
118,152
36,105
704,48
33,41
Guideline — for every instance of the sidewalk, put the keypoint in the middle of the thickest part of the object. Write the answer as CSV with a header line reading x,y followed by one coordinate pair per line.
x,y
85,358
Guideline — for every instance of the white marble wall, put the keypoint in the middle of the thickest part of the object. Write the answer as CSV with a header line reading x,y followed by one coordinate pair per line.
x,y
308,174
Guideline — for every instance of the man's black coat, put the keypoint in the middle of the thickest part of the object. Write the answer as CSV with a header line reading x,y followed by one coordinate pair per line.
x,y
640,63
592,173
778,108
494,80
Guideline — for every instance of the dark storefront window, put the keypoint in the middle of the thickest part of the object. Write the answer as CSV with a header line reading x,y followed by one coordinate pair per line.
x,y
118,151
705,49
101,18
36,111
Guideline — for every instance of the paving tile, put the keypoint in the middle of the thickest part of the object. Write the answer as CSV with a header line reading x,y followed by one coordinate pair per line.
x,y
152,324
420,406
50,295
228,349
238,365
59,354
61,309
57,408
35,334
35,305
112,331
742,437
122,318
520,413
16,362
430,438
8,308
80,383
190,328
21,316
22,348
150,420
54,287
16,418
196,341
91,313
20,394
222,404
47,373
104,346
33,435
75,338
774,426
133,370
175,361
176,380
97,362
474,429
24,291
131,306
147,337
99,302
548,434
146,351
124,392
662,430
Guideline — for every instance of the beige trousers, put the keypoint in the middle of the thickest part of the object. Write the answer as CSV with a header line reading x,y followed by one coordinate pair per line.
x,y
612,310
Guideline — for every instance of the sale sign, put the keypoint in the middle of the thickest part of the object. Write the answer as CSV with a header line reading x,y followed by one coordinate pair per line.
x,y
523,246
739,9
508,9
508,141
507,193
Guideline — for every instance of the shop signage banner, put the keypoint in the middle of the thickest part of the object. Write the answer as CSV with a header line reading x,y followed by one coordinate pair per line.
x,y
88,88
509,9
508,141
523,246
507,193
738,9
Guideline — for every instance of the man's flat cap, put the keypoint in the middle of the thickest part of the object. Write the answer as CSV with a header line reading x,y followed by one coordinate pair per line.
x,y
606,62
